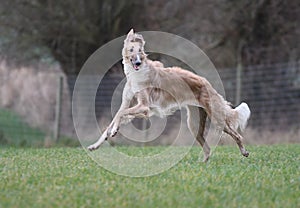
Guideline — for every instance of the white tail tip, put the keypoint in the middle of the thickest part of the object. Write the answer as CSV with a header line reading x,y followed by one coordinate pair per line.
x,y
243,115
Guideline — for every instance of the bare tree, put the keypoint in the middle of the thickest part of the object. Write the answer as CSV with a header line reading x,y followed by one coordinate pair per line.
x,y
69,31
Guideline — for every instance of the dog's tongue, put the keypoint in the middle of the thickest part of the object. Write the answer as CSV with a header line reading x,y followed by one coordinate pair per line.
x,y
136,67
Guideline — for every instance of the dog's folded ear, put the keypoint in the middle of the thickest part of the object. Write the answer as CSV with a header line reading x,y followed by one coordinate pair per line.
x,y
134,37
129,35
139,38
131,32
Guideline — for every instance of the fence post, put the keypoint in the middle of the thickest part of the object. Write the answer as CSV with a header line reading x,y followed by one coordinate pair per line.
x,y
58,108
239,70
238,84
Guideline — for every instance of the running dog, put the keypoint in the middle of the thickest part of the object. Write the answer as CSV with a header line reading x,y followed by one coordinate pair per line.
x,y
162,90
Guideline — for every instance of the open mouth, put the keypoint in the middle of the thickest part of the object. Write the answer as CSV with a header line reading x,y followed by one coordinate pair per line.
x,y
136,62
136,65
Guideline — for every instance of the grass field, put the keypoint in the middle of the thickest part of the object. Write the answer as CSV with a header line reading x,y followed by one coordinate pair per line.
x,y
14,131
68,177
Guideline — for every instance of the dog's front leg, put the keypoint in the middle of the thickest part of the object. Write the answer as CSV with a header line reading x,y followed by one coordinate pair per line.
x,y
112,129
114,125
139,110
99,141
136,111
125,114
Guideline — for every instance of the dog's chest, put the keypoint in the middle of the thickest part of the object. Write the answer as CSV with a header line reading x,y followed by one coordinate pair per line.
x,y
138,82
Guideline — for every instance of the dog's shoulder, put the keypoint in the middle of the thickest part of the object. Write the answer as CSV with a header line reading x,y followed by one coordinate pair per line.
x,y
155,64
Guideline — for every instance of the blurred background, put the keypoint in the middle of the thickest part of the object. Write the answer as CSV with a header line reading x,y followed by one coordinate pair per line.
x,y
254,45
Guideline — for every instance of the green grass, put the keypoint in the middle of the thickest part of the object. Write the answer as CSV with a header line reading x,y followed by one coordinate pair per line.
x,y
68,177
14,131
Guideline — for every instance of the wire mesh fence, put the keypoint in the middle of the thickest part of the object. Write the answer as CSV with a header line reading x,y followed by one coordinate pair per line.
x,y
271,91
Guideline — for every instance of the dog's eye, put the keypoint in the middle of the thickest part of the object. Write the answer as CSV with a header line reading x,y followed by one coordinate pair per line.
x,y
140,50
131,50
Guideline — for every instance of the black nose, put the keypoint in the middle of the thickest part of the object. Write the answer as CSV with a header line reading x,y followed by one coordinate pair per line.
x,y
137,63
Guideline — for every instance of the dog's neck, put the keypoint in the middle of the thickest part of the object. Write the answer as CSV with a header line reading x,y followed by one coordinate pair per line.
x,y
138,79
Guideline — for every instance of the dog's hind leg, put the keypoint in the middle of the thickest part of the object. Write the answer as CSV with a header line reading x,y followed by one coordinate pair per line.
x,y
196,123
238,139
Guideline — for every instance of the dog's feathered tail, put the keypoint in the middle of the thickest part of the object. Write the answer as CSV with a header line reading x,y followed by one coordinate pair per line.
x,y
243,112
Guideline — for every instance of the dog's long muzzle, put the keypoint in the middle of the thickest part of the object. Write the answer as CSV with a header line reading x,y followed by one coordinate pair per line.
x,y
137,62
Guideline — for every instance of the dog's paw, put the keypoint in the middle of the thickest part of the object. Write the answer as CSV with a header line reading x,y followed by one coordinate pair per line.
x,y
113,131
93,147
245,153
206,158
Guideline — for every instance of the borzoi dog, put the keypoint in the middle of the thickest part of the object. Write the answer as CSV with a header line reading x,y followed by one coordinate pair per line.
x,y
161,90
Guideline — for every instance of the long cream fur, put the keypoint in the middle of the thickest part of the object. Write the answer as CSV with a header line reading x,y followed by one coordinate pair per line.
x,y
162,90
